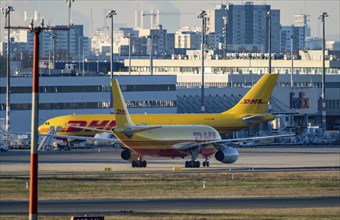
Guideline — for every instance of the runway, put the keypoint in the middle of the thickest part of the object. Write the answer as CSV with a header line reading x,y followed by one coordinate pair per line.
x,y
96,160
106,207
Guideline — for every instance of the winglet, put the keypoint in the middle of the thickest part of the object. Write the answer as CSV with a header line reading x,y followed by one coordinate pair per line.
x,y
123,119
257,98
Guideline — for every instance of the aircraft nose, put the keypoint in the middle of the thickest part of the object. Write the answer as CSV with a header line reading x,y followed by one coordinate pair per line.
x,y
41,129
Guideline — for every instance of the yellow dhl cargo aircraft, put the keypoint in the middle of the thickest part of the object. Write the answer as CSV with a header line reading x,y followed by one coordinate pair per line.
x,y
250,110
162,140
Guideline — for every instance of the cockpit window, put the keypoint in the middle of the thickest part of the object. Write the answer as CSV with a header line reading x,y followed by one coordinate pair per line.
x,y
47,123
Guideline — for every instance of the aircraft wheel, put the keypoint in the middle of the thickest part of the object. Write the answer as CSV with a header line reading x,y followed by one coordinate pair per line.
x,y
144,163
186,164
197,164
206,164
133,163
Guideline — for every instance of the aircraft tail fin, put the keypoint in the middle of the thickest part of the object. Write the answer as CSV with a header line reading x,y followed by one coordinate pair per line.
x,y
123,119
257,98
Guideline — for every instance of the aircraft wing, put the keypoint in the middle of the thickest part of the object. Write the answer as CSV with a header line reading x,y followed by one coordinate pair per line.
x,y
189,146
85,138
235,140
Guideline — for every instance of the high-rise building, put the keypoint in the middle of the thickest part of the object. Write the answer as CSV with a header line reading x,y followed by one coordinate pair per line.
x,y
247,27
302,20
78,42
188,38
216,25
159,40
298,35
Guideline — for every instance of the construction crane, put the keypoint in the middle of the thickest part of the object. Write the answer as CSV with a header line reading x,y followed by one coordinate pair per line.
x,y
154,16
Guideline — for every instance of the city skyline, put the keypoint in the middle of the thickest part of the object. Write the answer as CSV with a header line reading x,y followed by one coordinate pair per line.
x,y
81,11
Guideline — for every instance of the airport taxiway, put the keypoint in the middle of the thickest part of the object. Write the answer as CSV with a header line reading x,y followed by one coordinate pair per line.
x,y
72,207
93,160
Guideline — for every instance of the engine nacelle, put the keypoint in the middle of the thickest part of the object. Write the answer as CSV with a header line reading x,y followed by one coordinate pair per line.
x,y
227,155
128,155
104,135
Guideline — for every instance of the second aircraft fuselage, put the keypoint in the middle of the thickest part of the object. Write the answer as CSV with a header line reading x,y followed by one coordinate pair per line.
x,y
223,123
169,141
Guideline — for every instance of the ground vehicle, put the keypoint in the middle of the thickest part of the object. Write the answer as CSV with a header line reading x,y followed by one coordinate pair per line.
x,y
3,147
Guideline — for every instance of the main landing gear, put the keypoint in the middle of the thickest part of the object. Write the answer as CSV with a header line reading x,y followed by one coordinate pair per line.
x,y
206,163
194,163
139,163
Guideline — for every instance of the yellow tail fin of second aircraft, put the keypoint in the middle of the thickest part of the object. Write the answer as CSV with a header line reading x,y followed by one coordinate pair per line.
x,y
257,98
123,119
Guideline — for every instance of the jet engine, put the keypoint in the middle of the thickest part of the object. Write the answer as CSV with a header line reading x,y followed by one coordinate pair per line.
x,y
103,135
128,155
227,155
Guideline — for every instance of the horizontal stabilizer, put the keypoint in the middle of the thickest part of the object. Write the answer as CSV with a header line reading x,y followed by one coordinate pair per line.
x,y
136,129
253,119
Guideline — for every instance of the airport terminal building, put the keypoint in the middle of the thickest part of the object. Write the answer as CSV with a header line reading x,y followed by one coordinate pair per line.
x,y
175,88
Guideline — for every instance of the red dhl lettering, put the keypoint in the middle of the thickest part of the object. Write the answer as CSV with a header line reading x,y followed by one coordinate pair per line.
x,y
253,101
121,112
106,125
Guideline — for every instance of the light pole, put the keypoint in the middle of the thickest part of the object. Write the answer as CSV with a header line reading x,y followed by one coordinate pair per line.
x,y
323,99
269,15
130,36
225,19
69,32
52,37
97,63
202,15
110,15
292,37
151,37
33,199
7,12
79,56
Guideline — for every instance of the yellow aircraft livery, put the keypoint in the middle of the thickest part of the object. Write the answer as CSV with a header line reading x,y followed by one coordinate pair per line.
x,y
250,110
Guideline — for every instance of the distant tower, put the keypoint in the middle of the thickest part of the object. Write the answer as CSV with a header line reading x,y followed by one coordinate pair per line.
x,y
152,25
141,25
136,20
154,19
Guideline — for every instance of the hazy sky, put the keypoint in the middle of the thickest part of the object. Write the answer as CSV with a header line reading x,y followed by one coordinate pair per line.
x,y
56,12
